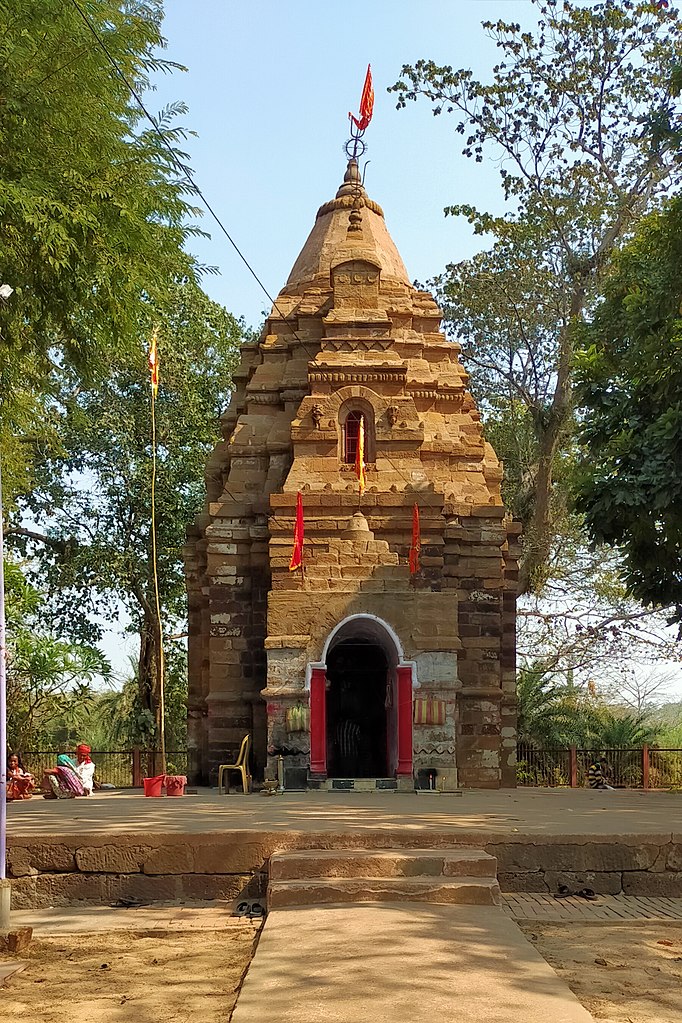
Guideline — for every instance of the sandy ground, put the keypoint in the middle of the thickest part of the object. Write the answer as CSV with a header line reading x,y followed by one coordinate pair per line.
x,y
130,977
621,973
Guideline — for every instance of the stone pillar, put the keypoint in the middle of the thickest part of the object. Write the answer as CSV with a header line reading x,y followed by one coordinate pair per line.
x,y
318,722
404,721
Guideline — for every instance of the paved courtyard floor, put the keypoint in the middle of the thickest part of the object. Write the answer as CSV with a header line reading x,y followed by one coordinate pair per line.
x,y
529,906
520,906
546,813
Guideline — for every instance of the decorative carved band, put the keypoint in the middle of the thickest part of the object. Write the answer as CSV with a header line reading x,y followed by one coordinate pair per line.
x,y
423,392
438,748
346,202
357,344
264,398
365,377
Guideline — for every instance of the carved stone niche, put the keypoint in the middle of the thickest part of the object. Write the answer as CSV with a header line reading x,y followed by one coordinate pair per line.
x,y
356,285
316,414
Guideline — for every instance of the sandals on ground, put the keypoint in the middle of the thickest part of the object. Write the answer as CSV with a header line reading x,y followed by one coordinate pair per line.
x,y
564,892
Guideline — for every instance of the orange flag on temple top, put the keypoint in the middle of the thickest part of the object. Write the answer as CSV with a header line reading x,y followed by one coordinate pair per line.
x,y
153,363
360,455
416,547
366,103
297,553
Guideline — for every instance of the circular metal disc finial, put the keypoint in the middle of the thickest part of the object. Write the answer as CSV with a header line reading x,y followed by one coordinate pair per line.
x,y
355,147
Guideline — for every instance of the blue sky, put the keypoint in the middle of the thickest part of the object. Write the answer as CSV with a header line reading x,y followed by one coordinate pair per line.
x,y
269,86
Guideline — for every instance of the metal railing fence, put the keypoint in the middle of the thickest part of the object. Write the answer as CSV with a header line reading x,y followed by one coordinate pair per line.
x,y
121,768
642,767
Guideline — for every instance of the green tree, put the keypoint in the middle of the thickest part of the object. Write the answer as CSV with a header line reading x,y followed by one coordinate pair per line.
x,y
90,512
121,721
48,679
629,481
576,114
625,730
94,214
553,713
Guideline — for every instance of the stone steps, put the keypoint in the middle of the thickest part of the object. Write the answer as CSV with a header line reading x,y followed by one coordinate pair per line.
x,y
340,863
361,784
470,891
439,876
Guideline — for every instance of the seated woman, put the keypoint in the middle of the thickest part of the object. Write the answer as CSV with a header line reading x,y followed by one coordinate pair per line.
x,y
20,783
62,781
85,769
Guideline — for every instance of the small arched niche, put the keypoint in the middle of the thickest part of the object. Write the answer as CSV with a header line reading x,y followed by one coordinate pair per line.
x,y
355,283
350,414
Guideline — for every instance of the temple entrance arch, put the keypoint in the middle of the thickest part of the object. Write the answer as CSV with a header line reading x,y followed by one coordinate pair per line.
x,y
361,702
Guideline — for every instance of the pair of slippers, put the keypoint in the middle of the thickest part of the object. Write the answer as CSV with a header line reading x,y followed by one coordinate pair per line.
x,y
564,892
251,910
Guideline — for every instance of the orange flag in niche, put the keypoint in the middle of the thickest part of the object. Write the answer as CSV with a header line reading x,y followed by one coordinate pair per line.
x,y
416,547
360,455
297,553
366,103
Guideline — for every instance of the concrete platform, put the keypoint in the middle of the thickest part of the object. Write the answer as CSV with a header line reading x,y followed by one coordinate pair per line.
x,y
531,812
116,845
411,963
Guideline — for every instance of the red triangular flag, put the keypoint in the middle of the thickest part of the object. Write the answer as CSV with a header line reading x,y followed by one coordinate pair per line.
x,y
297,553
416,542
366,103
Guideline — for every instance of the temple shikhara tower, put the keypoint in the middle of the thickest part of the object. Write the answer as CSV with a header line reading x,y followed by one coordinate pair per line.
x,y
356,669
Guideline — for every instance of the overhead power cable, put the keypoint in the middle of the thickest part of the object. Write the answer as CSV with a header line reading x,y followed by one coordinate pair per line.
x,y
187,174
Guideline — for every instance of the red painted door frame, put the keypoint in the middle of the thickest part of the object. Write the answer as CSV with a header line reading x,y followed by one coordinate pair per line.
x,y
318,721
404,720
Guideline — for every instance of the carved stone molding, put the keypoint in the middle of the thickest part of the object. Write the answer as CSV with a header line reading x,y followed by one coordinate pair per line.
x,y
264,398
354,377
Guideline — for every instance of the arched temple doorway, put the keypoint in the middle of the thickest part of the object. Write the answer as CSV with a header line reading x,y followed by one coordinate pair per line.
x,y
359,710
361,703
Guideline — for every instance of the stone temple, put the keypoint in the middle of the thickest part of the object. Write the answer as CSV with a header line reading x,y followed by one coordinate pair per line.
x,y
356,671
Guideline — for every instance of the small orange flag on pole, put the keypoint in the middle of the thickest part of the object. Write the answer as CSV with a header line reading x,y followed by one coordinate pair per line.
x,y
153,363
416,547
366,103
297,553
360,456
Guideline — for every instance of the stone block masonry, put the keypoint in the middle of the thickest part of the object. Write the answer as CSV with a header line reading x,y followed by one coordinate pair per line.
x,y
98,870
351,342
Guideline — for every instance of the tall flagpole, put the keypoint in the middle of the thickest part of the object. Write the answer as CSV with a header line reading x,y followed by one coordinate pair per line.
x,y
5,891
4,883
160,665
